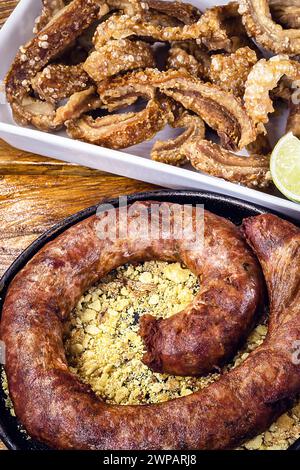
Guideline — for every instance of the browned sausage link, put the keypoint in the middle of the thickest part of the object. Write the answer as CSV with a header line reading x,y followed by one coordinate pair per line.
x,y
59,410
208,331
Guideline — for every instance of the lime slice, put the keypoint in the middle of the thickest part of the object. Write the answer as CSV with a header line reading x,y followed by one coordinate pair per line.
x,y
285,166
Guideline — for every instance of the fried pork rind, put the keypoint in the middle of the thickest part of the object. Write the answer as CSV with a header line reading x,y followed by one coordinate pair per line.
x,y
293,123
40,113
179,59
260,146
221,110
197,87
121,26
234,33
230,72
286,12
35,55
214,160
130,7
199,51
160,20
119,92
57,82
263,78
84,44
183,12
270,35
190,52
170,151
283,90
118,56
119,131
50,9
78,104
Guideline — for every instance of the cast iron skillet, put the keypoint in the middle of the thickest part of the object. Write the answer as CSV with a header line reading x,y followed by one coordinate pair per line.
x,y
228,207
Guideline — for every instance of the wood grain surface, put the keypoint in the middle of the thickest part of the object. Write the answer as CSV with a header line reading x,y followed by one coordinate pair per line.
x,y
36,192
6,7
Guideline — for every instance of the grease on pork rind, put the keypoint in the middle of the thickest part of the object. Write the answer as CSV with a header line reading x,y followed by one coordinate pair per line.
x,y
118,56
263,78
270,35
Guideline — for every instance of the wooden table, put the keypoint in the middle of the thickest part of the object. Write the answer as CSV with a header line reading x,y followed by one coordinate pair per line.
x,y
36,192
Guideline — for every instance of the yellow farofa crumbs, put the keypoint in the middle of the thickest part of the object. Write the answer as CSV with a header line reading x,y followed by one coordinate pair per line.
x,y
104,349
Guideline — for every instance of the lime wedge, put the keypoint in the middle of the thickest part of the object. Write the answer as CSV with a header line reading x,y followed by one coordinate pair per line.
x,y
285,166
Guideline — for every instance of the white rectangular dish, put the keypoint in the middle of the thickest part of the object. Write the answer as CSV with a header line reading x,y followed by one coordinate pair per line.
x,y
134,162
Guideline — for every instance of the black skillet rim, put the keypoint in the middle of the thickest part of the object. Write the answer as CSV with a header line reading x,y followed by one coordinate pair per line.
x,y
11,435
